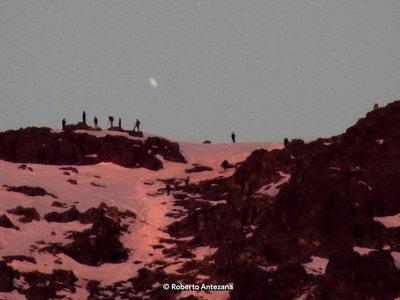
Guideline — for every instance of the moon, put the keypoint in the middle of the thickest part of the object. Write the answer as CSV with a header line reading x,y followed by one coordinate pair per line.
x,y
153,82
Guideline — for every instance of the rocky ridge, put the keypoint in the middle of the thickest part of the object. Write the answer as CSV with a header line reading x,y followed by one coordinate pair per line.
x,y
69,147
327,210
303,222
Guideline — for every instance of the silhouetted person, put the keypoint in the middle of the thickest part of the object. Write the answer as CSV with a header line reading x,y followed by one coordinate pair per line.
x,y
111,119
95,122
233,136
168,189
119,123
137,125
63,123
285,142
187,180
225,164
376,106
84,117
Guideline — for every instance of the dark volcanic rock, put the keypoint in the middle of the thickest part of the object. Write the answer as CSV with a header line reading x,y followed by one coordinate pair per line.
x,y
92,286
29,190
6,278
135,133
197,169
58,204
336,188
170,151
28,213
97,185
209,225
147,278
361,277
179,196
6,222
72,181
142,286
40,292
40,145
78,126
99,244
253,283
72,169
68,216
25,167
11,258
46,286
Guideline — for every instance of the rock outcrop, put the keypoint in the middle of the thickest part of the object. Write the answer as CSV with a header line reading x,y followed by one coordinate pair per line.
x,y
98,244
41,145
317,199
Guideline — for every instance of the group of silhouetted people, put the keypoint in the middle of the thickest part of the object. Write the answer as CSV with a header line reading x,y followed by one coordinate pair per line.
x,y
96,122
136,127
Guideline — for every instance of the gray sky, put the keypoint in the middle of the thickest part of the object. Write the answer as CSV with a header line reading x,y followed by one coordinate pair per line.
x,y
264,69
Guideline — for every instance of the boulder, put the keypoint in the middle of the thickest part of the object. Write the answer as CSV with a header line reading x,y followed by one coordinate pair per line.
x,y
6,277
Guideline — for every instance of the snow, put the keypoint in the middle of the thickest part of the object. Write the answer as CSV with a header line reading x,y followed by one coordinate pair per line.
x,y
366,184
389,221
307,295
363,251
104,133
123,188
335,168
202,252
18,242
14,295
396,258
213,154
317,266
273,189
269,268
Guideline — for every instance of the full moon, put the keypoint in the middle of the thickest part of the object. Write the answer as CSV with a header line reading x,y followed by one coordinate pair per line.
x,y
153,82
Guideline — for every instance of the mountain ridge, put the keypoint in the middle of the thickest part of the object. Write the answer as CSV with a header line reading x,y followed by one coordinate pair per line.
x,y
315,220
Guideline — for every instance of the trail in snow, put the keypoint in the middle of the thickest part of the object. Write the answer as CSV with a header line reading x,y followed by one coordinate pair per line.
x,y
120,187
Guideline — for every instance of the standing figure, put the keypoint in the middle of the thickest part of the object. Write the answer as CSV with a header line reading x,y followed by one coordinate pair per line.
x,y
168,189
137,125
119,123
63,123
225,164
111,119
233,136
376,106
285,142
84,117
95,122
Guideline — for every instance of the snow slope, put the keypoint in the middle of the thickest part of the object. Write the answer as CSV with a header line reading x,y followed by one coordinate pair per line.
x,y
138,190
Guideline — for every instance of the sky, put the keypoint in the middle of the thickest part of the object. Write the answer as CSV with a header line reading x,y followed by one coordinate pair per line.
x,y
263,69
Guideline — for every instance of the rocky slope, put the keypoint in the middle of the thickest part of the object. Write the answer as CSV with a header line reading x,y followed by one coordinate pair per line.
x,y
330,232
317,220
